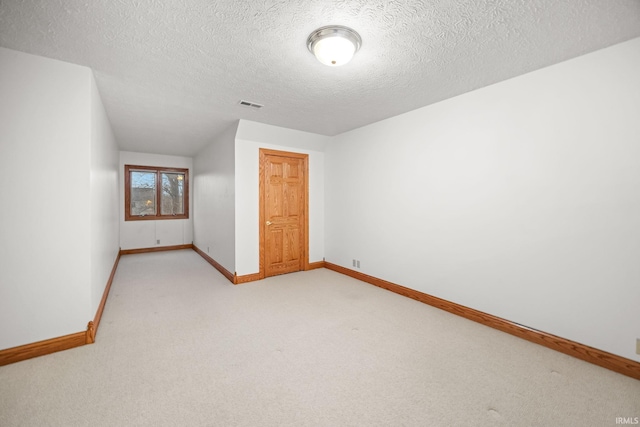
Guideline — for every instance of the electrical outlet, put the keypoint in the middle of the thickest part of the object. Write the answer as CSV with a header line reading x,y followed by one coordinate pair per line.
x,y
637,345
354,262
207,249
358,264
158,241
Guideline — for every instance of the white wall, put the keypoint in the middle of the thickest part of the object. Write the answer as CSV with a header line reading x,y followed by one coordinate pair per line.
x,y
521,199
104,188
214,199
45,143
250,137
145,234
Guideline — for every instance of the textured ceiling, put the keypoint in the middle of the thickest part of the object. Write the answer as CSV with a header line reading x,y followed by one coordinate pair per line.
x,y
171,73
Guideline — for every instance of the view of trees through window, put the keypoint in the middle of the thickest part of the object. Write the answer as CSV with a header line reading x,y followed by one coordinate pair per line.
x,y
155,193
143,193
172,194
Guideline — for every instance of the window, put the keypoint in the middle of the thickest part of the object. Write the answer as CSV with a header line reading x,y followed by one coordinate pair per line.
x,y
155,193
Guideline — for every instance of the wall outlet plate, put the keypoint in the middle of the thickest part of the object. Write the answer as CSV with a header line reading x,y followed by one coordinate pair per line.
x,y
637,345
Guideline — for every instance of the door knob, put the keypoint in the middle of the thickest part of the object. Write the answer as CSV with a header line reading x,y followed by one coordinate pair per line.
x,y
268,222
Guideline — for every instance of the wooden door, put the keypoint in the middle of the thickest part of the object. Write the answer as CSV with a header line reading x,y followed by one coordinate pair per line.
x,y
283,211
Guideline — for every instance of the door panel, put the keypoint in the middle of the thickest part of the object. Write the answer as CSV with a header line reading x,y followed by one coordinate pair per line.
x,y
284,205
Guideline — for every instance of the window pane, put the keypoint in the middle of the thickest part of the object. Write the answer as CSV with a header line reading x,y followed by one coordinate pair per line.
x,y
172,193
143,193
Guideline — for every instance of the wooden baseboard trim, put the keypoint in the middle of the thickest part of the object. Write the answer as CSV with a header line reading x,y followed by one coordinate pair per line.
x,y
256,276
314,265
598,357
238,280
93,326
226,273
40,348
53,345
155,249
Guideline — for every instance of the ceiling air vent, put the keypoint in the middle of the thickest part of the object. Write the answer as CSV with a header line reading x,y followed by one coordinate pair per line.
x,y
251,105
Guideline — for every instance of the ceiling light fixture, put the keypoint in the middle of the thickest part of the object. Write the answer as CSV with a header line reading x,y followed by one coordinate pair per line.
x,y
334,45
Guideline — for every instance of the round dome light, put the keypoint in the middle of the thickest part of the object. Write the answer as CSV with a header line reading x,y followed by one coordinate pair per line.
x,y
334,45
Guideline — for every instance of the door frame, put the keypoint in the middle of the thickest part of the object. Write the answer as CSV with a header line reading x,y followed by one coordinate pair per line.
x,y
261,220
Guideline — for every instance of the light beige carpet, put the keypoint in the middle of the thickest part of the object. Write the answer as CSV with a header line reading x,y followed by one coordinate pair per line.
x,y
180,346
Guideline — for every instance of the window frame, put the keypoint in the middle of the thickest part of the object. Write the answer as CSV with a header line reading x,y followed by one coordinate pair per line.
x,y
158,172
